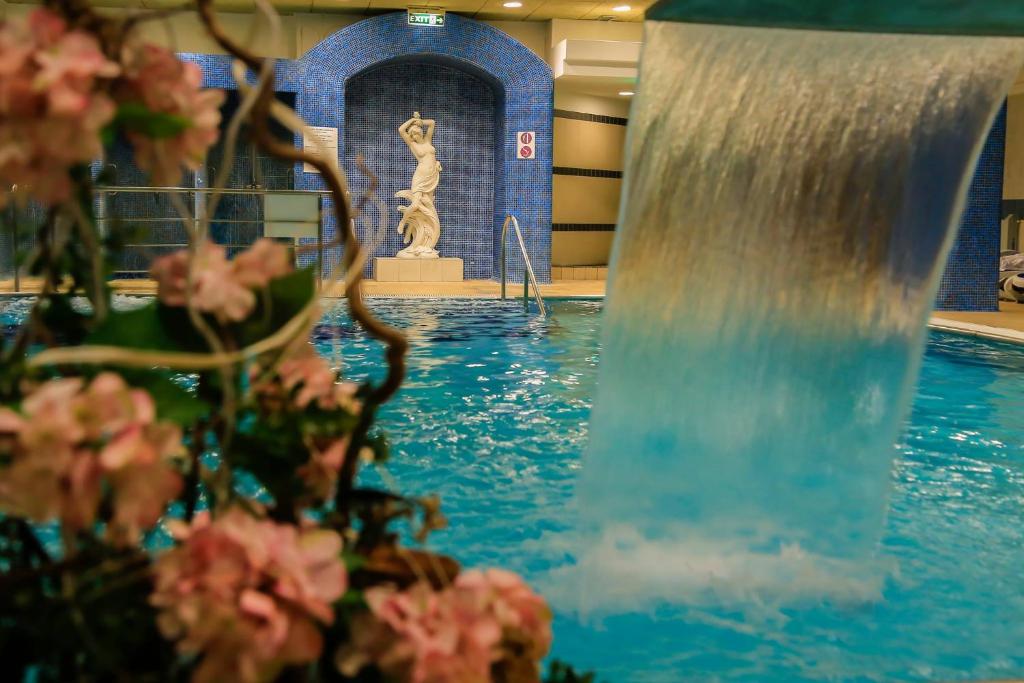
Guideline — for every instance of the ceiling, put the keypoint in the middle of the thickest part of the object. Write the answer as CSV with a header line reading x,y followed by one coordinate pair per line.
x,y
494,10
532,10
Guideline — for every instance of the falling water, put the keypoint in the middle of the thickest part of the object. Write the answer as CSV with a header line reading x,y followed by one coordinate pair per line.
x,y
790,200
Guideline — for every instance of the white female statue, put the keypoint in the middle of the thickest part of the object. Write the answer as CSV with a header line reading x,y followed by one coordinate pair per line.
x,y
420,224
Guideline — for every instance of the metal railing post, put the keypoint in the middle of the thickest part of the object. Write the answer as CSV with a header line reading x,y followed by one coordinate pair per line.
x,y
526,292
528,276
504,235
15,243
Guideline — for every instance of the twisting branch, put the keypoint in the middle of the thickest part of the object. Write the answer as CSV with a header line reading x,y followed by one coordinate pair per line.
x,y
264,137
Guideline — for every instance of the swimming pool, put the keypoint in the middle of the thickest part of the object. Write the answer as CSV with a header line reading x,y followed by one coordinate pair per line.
x,y
494,418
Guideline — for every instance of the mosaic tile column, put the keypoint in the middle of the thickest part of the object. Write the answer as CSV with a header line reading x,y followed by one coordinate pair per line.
x,y
972,271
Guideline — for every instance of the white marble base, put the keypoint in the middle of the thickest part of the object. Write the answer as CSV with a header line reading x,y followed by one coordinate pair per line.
x,y
417,270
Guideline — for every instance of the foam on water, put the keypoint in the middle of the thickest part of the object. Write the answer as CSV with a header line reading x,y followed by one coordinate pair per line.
x,y
789,202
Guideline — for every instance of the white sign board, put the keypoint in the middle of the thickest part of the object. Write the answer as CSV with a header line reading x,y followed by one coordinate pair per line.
x,y
526,144
322,139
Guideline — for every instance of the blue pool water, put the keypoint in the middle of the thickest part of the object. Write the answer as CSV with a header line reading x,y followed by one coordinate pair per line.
x,y
493,417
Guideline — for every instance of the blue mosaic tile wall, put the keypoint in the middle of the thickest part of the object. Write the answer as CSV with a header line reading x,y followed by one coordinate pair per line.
x,y
523,90
18,226
378,101
153,215
972,271
238,221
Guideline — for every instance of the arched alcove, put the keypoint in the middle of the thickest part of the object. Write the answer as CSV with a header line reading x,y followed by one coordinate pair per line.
x,y
522,86
379,99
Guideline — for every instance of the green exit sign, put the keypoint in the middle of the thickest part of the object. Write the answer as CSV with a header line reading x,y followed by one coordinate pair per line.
x,y
426,17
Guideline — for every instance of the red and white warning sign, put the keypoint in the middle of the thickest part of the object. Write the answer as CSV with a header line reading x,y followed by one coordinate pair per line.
x,y
526,145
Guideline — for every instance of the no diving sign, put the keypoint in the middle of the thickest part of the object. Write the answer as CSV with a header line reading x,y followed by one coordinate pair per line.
x,y
526,145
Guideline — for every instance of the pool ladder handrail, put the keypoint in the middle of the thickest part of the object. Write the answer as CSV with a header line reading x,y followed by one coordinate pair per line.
x,y
531,278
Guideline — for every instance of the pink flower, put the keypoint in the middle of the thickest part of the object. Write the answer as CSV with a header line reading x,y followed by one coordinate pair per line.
x,y
143,484
51,106
309,379
156,78
309,376
524,616
215,289
455,635
71,438
320,473
264,261
248,594
302,380
220,287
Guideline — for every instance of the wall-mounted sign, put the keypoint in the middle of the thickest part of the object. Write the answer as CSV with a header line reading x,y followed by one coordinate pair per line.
x,y
425,17
323,139
526,145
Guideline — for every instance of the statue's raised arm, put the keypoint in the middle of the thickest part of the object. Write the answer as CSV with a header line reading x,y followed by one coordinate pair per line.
x,y
405,130
429,133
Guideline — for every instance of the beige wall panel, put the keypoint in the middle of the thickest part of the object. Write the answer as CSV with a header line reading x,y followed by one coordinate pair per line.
x,y
310,29
532,34
578,199
1013,177
595,30
566,98
184,33
586,144
581,248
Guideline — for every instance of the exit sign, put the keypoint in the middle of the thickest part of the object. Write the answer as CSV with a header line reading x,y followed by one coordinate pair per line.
x,y
422,17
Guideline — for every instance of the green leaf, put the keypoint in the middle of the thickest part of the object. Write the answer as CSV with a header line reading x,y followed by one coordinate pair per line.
x,y
135,117
154,327
173,402
560,672
157,327
353,562
58,315
284,297
327,423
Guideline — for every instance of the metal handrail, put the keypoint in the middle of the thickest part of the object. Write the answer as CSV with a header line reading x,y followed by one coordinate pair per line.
x,y
114,189
104,192
531,278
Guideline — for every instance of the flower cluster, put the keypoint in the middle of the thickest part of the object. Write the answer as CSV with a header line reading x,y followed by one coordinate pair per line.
x,y
71,438
58,91
455,635
51,108
220,287
311,380
157,79
302,380
248,594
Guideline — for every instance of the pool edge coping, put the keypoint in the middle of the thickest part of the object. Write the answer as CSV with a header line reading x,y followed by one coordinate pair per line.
x,y
1003,334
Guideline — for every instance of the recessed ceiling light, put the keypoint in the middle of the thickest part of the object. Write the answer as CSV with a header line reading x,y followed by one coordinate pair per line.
x,y
513,5
621,8
626,93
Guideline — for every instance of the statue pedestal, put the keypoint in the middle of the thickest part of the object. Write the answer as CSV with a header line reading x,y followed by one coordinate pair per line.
x,y
417,269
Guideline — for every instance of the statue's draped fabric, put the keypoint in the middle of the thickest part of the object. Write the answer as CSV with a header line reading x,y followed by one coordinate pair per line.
x,y
420,224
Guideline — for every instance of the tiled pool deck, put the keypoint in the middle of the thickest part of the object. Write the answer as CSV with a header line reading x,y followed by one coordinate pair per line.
x,y
473,289
1007,324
